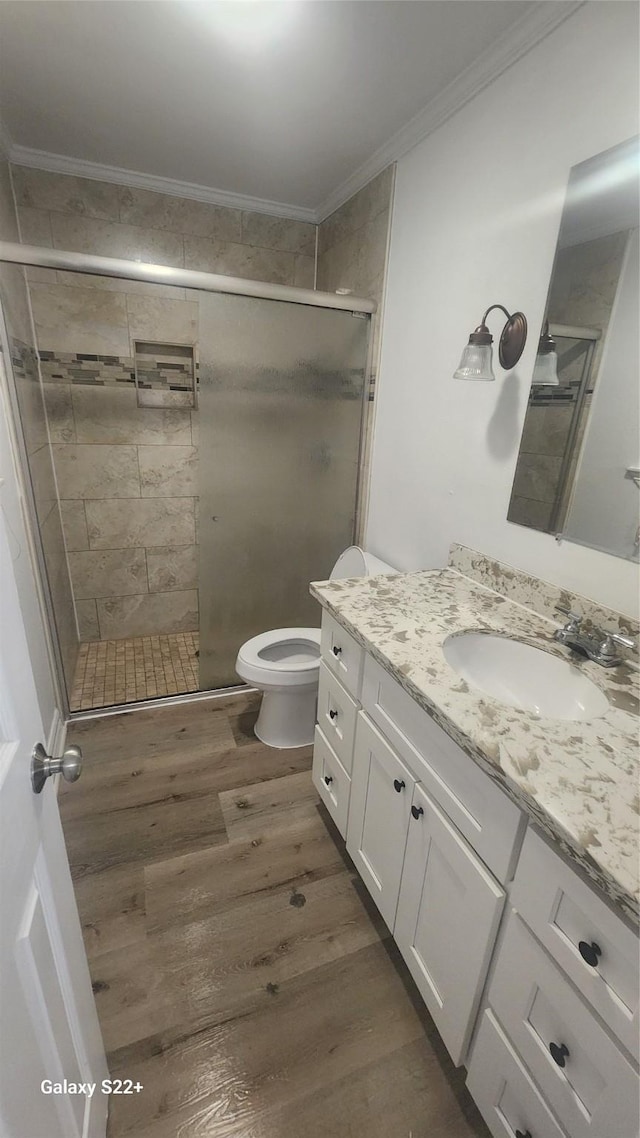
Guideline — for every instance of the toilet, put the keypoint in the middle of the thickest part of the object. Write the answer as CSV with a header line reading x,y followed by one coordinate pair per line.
x,y
285,665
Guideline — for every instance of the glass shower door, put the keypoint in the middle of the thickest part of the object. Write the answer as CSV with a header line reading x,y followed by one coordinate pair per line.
x,y
281,398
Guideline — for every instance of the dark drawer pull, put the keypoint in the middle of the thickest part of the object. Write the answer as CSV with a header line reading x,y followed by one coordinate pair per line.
x,y
559,1052
333,715
398,784
519,1134
328,779
590,952
336,651
416,812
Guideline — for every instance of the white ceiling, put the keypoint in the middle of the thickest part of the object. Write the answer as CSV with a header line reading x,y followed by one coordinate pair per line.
x,y
280,101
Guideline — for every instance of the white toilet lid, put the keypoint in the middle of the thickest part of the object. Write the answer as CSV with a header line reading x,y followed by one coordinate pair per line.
x,y
351,563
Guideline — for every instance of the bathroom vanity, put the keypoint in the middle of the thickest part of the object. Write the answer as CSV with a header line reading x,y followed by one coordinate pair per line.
x,y
499,845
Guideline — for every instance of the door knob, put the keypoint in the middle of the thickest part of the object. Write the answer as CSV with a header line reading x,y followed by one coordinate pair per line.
x,y
519,1134
416,812
398,784
43,766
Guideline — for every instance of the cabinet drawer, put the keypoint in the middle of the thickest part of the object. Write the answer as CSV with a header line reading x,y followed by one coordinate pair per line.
x,y
502,1088
566,914
447,919
489,821
331,781
590,1085
336,715
342,654
381,793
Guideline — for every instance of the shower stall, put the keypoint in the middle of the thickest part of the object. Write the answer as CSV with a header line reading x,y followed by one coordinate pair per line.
x,y
204,440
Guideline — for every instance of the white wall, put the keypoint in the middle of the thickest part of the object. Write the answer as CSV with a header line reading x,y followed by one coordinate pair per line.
x,y
604,510
476,216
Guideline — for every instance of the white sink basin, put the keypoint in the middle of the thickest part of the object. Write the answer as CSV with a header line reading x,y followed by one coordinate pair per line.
x,y
524,677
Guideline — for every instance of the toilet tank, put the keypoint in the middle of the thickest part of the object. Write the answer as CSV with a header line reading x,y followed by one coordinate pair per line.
x,y
354,562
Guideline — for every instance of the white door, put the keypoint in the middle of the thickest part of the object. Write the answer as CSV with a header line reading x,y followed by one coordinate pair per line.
x,y
381,789
48,1023
448,914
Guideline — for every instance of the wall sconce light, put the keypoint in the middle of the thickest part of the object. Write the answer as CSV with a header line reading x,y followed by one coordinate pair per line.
x,y
545,371
476,362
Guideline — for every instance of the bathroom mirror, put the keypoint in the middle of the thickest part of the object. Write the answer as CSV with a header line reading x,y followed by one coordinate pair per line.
x,y
578,469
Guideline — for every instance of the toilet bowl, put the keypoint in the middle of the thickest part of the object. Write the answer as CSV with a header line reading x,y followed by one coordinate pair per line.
x,y
285,665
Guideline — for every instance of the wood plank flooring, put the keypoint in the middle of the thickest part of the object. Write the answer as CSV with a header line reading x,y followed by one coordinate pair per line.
x,y
241,972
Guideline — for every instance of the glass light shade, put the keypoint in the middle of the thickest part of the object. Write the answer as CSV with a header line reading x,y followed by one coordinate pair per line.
x,y
545,370
476,363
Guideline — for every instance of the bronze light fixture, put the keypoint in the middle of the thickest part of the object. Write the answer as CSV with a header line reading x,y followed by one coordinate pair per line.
x,y
476,362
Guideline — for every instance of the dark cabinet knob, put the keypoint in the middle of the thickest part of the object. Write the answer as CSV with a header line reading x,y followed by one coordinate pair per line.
x,y
520,1134
328,779
416,812
398,784
336,651
333,714
590,952
559,1052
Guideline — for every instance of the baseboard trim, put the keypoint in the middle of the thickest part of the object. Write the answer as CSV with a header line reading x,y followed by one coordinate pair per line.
x,y
57,734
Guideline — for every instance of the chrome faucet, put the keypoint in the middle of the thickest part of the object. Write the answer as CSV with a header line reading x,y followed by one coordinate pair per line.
x,y
601,647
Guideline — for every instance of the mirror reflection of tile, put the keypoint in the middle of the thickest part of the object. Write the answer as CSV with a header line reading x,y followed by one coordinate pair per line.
x,y
579,438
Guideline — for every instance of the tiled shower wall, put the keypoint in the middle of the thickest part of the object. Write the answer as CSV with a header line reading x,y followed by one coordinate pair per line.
x,y
352,254
29,395
127,475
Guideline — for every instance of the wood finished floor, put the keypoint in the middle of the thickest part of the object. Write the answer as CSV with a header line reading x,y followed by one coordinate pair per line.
x,y
241,972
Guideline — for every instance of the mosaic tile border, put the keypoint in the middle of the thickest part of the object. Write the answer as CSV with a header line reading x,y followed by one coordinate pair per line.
x,y
94,370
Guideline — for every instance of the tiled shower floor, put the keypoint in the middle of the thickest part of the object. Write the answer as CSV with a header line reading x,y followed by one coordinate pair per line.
x,y
143,667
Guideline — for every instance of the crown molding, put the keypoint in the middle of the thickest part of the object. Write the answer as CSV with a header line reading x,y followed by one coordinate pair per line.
x,y
81,168
516,41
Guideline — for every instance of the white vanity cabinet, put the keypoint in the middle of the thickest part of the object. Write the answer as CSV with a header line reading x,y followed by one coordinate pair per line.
x,y
530,977
379,812
446,922
439,900
563,1000
338,692
583,1075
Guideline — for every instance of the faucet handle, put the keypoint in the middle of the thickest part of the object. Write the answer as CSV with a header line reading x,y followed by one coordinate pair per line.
x,y
575,620
611,638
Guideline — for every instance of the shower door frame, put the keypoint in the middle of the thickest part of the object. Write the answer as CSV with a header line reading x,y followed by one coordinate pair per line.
x,y
35,256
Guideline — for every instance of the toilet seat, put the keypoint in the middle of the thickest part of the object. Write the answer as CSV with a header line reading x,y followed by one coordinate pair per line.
x,y
283,657
284,665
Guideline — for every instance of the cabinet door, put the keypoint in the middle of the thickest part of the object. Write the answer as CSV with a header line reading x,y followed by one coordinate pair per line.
x,y
503,1089
584,1076
447,920
331,781
381,789
570,919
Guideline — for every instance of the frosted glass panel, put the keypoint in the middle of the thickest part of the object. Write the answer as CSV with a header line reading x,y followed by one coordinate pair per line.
x,y
280,407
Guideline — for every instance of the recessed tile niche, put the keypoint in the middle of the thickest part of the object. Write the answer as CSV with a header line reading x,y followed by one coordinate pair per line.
x,y
165,374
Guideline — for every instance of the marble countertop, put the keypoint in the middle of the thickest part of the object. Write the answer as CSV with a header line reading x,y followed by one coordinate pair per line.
x,y
578,780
